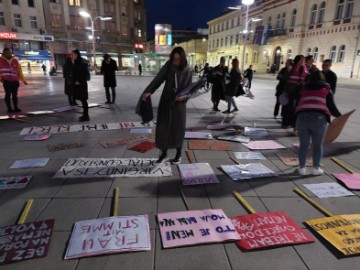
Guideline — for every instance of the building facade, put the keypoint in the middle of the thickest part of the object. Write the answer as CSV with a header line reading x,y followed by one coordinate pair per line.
x,y
327,29
196,51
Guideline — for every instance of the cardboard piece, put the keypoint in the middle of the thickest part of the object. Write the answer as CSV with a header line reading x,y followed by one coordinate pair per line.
x,y
227,127
186,228
141,131
263,145
263,230
198,135
81,127
328,190
197,174
352,180
64,146
112,167
26,241
122,141
249,155
143,147
247,171
291,159
255,132
209,145
342,231
16,182
334,129
36,137
30,163
236,138
109,235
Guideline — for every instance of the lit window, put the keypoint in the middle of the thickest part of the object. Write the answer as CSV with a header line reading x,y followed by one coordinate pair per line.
x,y
349,8
321,12
332,53
313,14
75,3
341,54
33,22
293,18
339,9
139,33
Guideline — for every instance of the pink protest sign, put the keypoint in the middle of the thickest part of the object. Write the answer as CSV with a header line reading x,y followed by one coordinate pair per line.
x,y
263,145
352,181
186,228
197,174
109,235
261,230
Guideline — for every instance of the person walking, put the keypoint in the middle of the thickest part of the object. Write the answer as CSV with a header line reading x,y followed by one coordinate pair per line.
x,y
10,74
218,89
171,116
330,76
315,107
81,75
29,67
69,80
108,68
140,69
282,77
296,81
249,74
232,87
43,67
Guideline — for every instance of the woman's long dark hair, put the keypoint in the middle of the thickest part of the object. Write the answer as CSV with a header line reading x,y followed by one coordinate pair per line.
x,y
183,61
76,51
298,58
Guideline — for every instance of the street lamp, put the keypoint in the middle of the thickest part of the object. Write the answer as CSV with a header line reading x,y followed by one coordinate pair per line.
x,y
102,18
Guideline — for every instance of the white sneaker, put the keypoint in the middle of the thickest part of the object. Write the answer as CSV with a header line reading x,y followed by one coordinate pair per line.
x,y
317,171
301,171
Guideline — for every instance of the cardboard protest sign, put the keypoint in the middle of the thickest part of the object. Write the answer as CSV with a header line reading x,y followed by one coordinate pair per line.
x,y
197,174
236,138
342,231
64,146
142,147
291,159
36,137
247,171
328,190
198,135
209,145
26,241
122,141
227,127
336,126
352,181
16,182
187,228
109,235
255,132
249,155
79,128
263,145
112,167
30,163
141,131
262,230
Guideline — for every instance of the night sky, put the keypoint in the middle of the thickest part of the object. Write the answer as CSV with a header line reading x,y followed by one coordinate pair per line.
x,y
184,13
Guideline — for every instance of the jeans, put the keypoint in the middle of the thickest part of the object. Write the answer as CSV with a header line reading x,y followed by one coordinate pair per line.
x,y
11,90
311,125
231,101
107,92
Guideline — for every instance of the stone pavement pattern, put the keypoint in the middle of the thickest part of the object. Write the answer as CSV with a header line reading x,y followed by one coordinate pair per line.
x,y
71,200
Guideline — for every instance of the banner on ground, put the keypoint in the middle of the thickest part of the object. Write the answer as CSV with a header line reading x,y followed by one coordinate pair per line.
x,y
343,232
122,141
263,145
197,174
30,163
236,138
26,241
112,167
328,190
78,128
198,135
186,228
109,235
351,180
141,131
262,230
249,155
247,171
16,182
209,145
255,132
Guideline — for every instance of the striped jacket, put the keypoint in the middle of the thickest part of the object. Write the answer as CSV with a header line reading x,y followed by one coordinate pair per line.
x,y
10,70
298,75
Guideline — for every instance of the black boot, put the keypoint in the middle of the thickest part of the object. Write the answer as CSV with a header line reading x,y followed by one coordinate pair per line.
x,y
177,158
162,157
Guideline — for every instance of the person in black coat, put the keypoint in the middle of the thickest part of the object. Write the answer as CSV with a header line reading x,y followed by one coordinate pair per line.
x,y
218,89
249,74
108,68
80,77
283,78
233,86
68,76
330,76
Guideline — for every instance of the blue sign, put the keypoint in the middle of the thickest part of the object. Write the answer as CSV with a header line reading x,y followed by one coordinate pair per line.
x,y
169,39
35,55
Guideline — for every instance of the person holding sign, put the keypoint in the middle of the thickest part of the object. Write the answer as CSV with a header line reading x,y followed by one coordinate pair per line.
x,y
316,105
171,117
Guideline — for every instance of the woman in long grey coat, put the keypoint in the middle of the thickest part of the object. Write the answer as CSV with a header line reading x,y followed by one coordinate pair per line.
x,y
171,117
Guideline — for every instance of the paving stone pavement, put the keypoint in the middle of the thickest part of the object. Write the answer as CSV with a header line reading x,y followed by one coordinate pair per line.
x,y
71,200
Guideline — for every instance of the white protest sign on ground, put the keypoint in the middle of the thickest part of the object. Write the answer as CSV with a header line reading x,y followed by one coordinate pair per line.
x,y
186,228
351,180
109,235
198,135
141,131
30,163
36,137
15,182
113,167
264,145
81,127
255,132
236,138
247,171
249,155
197,174
328,190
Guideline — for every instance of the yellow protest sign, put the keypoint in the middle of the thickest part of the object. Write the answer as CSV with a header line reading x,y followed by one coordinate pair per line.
x,y
342,231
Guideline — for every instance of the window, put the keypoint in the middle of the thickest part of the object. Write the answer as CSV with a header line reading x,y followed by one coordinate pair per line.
x,y
332,53
278,19
2,19
316,53
17,20
269,21
339,9
246,58
218,28
109,6
237,39
308,51
227,25
217,43
15,2
31,3
139,33
226,41
321,12
313,14
222,42
283,20
75,3
33,22
213,44
341,54
231,40
124,30
349,8
55,20
289,54
293,18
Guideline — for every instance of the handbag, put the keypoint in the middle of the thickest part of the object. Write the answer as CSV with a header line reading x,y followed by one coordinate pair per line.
x,y
284,99
240,91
